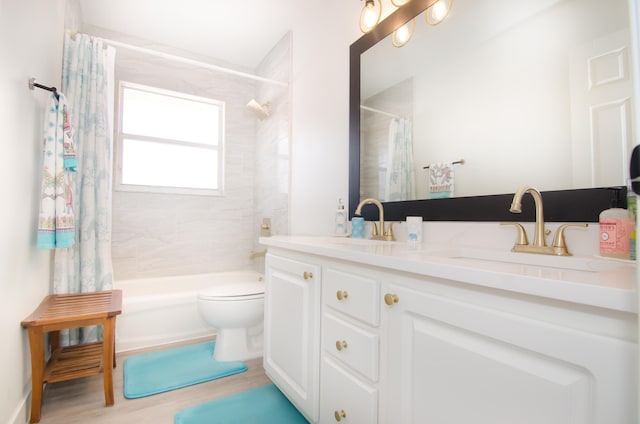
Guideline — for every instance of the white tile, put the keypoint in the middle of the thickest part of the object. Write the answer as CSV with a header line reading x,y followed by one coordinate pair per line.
x,y
164,234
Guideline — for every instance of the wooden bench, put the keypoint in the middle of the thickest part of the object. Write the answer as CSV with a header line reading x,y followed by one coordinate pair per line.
x,y
62,311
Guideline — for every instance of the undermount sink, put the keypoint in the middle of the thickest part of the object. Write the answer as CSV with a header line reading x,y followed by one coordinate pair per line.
x,y
588,264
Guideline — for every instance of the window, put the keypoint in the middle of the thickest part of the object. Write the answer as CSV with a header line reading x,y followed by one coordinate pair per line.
x,y
169,142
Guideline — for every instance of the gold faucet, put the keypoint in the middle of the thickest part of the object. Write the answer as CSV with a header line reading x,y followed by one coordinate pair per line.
x,y
387,234
539,245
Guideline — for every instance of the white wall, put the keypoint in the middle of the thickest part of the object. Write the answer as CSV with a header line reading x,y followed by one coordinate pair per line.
x,y
320,116
30,46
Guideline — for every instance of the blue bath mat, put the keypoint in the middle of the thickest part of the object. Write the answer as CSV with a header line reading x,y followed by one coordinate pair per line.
x,y
156,372
262,405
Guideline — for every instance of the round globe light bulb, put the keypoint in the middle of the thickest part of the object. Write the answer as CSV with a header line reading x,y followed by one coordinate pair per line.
x,y
370,18
439,11
370,15
403,33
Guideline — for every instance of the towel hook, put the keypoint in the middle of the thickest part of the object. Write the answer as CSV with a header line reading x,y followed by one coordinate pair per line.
x,y
33,84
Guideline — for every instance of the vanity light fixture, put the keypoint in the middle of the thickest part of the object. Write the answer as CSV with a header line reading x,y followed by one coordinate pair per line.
x,y
402,35
370,15
434,14
438,11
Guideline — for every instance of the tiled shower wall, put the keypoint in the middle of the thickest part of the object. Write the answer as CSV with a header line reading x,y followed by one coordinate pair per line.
x,y
162,234
273,145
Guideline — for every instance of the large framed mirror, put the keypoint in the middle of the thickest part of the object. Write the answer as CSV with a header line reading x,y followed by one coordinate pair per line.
x,y
524,92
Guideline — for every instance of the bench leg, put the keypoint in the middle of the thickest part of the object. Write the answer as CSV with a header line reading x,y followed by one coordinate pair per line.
x,y
36,344
114,343
108,336
54,340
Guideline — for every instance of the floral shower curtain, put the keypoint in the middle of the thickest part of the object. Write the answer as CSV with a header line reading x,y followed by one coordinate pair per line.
x,y
88,83
400,183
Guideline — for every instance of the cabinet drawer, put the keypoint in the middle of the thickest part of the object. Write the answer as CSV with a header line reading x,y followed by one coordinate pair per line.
x,y
354,346
345,398
352,294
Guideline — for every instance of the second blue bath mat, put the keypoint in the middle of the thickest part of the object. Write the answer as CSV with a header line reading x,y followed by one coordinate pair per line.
x,y
156,372
262,405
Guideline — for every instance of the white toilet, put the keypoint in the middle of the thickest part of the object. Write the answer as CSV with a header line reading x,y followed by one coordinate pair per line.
x,y
237,312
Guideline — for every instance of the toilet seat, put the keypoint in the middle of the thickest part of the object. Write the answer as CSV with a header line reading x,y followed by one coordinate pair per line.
x,y
241,291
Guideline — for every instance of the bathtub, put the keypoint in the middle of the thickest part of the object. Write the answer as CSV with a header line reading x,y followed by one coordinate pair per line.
x,y
163,310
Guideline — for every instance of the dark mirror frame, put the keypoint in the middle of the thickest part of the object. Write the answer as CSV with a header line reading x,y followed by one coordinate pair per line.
x,y
581,205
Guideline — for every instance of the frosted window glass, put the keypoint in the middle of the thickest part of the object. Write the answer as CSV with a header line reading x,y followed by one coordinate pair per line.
x,y
169,165
169,142
169,117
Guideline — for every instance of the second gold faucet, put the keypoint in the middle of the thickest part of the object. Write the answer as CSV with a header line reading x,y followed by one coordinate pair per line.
x,y
539,245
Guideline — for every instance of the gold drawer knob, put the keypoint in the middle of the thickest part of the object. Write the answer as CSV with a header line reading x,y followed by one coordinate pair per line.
x,y
307,275
341,344
341,295
340,415
390,299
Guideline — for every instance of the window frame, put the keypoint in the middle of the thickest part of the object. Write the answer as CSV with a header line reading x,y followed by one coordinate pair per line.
x,y
121,136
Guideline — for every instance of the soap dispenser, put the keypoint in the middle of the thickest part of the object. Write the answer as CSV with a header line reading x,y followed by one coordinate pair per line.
x,y
615,232
341,220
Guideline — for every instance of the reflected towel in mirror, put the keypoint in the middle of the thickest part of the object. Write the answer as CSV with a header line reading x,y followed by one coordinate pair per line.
x,y
441,180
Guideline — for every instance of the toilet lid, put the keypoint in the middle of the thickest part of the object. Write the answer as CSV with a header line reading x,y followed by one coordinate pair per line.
x,y
228,291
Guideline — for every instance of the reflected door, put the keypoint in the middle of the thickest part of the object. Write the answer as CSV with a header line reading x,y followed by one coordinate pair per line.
x,y
601,93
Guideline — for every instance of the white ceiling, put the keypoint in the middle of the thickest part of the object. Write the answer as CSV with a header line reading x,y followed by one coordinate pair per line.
x,y
239,32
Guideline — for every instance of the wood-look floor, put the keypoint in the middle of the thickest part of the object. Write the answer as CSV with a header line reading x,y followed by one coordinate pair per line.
x,y
81,401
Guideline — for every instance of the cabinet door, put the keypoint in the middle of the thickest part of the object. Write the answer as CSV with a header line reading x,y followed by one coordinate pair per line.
x,y
453,362
292,333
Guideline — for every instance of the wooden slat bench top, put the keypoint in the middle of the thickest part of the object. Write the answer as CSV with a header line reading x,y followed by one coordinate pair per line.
x,y
58,308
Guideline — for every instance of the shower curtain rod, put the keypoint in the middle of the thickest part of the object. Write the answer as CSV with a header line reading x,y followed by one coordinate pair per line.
x,y
193,62
370,109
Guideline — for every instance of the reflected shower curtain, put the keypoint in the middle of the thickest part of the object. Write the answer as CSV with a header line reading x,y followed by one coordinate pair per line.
x,y
88,83
400,184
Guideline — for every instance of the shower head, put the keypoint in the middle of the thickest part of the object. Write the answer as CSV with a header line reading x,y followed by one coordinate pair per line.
x,y
262,110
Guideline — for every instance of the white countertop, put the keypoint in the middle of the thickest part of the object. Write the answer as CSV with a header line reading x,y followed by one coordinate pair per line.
x,y
609,284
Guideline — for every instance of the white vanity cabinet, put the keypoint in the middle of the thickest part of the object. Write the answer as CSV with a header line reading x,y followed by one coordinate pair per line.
x,y
454,360
292,329
372,344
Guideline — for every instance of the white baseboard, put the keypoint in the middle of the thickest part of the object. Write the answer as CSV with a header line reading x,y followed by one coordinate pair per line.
x,y
21,412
